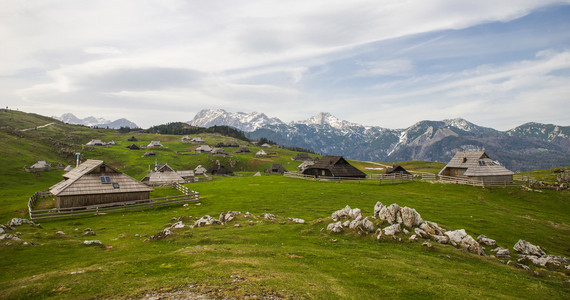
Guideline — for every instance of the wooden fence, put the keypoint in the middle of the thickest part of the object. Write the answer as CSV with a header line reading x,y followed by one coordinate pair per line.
x,y
526,179
462,180
381,179
101,209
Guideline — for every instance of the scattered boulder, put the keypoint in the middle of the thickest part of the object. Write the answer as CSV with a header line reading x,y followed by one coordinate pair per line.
x,y
2,231
377,208
392,229
93,243
482,239
456,236
501,252
431,228
413,238
346,212
335,227
410,217
297,220
355,222
363,225
60,233
442,239
177,225
526,248
427,244
10,237
420,233
88,232
206,221
268,216
469,244
160,235
19,222
229,216
546,259
390,213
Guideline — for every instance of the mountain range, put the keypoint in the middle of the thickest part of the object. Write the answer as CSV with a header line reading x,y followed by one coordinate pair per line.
x,y
95,122
526,147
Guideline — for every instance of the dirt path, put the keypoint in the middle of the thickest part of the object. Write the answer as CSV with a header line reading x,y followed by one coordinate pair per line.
x,y
37,127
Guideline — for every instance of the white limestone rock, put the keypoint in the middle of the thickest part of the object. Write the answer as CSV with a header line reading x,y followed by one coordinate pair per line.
x,y
442,239
392,229
482,239
410,217
335,227
526,248
390,213
93,243
377,208
456,236
421,233
501,252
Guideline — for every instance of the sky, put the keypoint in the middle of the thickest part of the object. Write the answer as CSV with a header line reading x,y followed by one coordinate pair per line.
x,y
388,63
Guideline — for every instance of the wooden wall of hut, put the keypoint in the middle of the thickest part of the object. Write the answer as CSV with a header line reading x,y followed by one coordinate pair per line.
x,y
85,200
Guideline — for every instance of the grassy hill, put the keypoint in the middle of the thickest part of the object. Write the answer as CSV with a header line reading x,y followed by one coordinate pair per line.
x,y
263,258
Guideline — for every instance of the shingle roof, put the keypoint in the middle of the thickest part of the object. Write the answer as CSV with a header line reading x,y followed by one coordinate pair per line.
x,y
477,164
86,180
338,166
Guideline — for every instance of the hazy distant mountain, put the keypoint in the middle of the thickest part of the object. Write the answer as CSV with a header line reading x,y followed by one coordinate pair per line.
x,y
96,122
525,147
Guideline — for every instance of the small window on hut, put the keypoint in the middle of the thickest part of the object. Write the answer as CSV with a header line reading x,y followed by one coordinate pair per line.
x,y
105,179
115,185
455,172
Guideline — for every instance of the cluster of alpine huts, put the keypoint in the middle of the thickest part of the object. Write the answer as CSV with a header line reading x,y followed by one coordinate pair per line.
x,y
406,222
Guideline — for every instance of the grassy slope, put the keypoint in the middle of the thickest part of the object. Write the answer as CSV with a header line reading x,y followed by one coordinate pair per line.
x,y
267,258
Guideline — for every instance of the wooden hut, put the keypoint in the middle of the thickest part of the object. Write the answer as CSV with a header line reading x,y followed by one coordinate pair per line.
x,y
164,175
218,169
275,169
155,144
243,150
333,166
94,182
133,147
302,157
261,153
95,143
396,169
218,151
302,167
197,140
477,166
203,149
133,139
149,153
40,165
199,170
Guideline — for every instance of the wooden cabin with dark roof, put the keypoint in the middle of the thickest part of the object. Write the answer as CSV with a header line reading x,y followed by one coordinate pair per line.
x,y
477,166
333,166
275,169
396,169
94,182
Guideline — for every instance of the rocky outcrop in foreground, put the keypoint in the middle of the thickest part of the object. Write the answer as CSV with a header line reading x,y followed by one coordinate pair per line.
x,y
405,221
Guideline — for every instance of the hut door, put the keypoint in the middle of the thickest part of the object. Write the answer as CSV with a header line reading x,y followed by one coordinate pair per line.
x,y
447,172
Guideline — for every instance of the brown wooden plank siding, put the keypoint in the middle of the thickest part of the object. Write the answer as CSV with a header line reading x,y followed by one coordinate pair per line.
x,y
93,199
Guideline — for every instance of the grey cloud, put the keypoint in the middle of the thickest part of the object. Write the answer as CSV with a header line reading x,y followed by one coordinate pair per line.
x,y
140,79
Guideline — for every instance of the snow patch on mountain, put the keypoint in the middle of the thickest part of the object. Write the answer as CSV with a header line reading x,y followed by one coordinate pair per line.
x,y
240,120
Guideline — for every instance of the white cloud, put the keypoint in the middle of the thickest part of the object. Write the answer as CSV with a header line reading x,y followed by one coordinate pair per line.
x,y
250,55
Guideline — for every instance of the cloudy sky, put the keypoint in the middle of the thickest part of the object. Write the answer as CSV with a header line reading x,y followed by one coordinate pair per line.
x,y
388,63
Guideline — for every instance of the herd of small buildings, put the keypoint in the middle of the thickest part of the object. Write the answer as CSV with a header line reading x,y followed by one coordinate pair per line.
x,y
95,182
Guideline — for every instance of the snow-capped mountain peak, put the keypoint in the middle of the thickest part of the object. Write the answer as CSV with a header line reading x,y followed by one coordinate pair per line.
x,y
240,120
325,118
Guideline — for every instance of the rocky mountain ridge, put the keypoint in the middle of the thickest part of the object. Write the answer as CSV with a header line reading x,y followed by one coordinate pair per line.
x,y
525,147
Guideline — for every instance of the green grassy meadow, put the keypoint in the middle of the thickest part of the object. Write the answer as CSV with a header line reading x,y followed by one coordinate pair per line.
x,y
264,258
